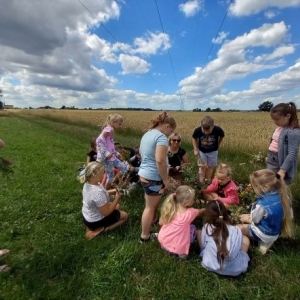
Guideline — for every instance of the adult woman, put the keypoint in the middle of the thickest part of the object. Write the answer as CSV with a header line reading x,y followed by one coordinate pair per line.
x,y
154,168
177,157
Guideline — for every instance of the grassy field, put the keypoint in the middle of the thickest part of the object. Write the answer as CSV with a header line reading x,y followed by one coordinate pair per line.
x,y
41,219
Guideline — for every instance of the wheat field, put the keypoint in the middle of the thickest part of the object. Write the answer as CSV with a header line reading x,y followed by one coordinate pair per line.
x,y
249,132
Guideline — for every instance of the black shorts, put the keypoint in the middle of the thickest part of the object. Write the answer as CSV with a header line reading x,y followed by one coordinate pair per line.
x,y
152,187
107,221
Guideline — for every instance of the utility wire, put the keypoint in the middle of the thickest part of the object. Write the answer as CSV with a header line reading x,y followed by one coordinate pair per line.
x,y
218,32
93,15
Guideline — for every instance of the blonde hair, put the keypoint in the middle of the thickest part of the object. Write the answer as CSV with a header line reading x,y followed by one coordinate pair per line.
x,y
207,122
224,169
173,135
162,118
169,207
90,171
264,181
112,118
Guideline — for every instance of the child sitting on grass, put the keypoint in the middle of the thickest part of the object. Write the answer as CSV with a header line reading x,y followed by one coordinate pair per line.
x,y
223,247
177,214
222,187
92,152
271,213
99,214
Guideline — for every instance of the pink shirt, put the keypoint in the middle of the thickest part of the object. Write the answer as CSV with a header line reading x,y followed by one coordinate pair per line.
x,y
175,236
230,192
274,143
105,146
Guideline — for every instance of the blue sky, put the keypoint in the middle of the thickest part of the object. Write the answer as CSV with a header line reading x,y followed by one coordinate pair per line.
x,y
149,53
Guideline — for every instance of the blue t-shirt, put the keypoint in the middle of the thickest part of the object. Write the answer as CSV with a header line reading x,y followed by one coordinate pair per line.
x,y
148,167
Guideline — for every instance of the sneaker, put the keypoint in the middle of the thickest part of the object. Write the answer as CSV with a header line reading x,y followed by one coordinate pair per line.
x,y
123,192
264,247
152,236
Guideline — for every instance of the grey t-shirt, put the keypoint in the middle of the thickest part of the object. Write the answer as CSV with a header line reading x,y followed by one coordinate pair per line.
x,y
94,196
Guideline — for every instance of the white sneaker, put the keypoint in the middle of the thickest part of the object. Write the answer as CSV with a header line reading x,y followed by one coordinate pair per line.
x,y
264,247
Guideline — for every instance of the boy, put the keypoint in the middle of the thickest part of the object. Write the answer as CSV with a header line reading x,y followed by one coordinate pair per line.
x,y
206,141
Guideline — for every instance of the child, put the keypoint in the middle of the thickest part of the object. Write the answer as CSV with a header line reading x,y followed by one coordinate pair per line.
x,y
135,162
176,217
106,152
271,213
92,152
223,246
222,187
206,141
283,150
99,214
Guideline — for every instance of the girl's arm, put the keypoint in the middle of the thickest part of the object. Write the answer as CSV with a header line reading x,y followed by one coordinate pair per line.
x,y
109,207
258,213
212,188
185,159
161,162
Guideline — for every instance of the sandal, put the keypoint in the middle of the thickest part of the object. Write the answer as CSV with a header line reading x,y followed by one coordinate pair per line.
x,y
4,268
152,236
3,252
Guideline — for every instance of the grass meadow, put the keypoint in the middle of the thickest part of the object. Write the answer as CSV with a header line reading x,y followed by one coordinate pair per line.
x,y
41,222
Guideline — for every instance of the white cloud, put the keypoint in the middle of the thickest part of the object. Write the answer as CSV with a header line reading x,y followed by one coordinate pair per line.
x,y
249,7
270,14
191,7
220,38
133,64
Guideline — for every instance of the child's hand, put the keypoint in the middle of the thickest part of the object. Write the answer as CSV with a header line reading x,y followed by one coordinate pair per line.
x,y
245,218
196,152
109,156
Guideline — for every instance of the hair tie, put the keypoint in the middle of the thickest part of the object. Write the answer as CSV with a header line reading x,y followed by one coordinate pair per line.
x,y
224,165
220,217
278,176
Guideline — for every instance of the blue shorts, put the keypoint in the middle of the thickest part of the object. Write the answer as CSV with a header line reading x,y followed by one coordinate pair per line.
x,y
253,235
109,168
152,187
210,158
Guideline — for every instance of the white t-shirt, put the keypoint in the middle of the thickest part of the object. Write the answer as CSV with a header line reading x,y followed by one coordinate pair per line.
x,y
94,196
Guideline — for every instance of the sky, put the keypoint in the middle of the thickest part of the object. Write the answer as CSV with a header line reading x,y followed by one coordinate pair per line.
x,y
159,54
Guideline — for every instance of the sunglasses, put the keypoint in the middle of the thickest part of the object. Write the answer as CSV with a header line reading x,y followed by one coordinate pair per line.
x,y
176,141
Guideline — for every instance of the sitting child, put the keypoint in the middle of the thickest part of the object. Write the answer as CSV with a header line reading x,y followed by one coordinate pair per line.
x,y
223,247
92,152
271,213
99,214
135,162
222,187
176,217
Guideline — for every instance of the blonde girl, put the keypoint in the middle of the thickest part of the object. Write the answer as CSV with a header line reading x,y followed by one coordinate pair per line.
x,y
223,187
106,152
99,214
223,247
284,146
271,213
153,170
176,217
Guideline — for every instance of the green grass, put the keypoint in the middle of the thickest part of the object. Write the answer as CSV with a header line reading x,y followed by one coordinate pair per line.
x,y
50,259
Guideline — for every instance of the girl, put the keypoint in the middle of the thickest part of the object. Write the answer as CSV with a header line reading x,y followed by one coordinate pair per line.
x,y
92,152
271,213
154,168
222,187
176,218
106,152
223,246
99,215
177,157
283,150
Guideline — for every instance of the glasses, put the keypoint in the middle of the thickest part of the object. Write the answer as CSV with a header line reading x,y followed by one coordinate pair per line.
x,y
176,141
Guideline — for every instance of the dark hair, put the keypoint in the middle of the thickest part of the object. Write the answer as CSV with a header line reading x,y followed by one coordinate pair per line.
x,y
217,218
283,109
162,118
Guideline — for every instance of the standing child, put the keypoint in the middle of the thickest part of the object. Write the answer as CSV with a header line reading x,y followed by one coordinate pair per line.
x,y
176,217
271,213
223,246
92,152
223,187
106,152
206,141
283,150
99,214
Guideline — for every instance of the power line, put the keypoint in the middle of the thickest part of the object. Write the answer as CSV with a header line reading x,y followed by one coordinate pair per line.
x,y
95,17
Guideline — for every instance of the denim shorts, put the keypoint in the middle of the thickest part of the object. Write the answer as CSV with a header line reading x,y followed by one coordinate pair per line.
x,y
152,187
211,158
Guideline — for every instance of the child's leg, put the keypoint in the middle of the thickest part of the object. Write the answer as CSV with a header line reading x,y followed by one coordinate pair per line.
x,y
245,244
123,219
90,234
212,161
245,229
109,169
202,167
199,233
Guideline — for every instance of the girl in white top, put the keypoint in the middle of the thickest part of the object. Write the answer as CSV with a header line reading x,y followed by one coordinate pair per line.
x,y
99,214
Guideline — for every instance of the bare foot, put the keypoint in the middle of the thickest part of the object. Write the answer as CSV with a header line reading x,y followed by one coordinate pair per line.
x,y
92,234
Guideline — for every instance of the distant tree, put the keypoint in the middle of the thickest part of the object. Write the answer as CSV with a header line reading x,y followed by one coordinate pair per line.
x,y
1,105
197,109
265,106
63,107
208,109
216,109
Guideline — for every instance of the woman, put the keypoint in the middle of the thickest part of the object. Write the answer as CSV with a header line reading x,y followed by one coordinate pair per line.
x,y
177,157
154,168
